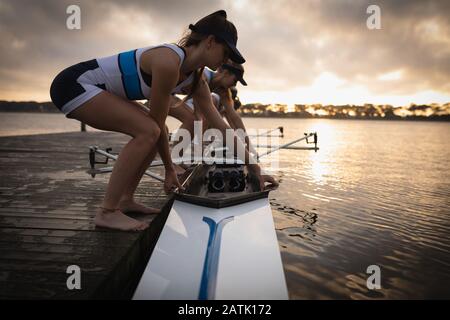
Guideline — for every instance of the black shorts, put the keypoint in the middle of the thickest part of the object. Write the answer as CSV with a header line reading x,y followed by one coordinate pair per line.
x,y
77,84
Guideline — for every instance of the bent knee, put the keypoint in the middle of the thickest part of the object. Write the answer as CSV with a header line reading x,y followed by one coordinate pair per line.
x,y
150,133
153,132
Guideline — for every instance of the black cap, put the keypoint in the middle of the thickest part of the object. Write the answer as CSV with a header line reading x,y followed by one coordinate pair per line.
x,y
224,31
237,70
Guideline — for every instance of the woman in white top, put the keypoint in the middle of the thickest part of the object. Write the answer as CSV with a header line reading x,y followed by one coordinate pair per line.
x,y
224,96
218,81
101,93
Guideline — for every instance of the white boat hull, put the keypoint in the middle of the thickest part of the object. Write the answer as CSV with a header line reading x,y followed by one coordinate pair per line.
x,y
206,253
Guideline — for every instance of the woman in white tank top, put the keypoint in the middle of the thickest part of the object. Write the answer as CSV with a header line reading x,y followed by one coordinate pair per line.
x,y
220,81
101,93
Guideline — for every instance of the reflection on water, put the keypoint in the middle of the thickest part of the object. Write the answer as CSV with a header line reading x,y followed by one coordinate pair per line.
x,y
377,192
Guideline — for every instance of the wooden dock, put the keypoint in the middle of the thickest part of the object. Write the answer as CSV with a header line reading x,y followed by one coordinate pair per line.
x,y
47,205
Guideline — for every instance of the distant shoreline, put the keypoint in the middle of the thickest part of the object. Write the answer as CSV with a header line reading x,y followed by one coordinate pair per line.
x,y
246,112
444,118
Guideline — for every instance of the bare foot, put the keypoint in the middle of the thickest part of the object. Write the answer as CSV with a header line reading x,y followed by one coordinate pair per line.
x,y
128,206
117,220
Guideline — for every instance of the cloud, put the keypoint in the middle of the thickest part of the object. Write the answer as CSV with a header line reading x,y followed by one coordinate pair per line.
x,y
332,36
288,44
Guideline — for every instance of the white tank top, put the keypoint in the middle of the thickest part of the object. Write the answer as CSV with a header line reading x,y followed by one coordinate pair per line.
x,y
123,75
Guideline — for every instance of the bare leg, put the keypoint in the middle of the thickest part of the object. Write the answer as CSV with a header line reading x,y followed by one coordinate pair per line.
x,y
109,112
127,202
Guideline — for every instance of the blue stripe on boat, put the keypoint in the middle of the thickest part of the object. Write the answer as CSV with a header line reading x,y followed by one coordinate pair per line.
x,y
211,264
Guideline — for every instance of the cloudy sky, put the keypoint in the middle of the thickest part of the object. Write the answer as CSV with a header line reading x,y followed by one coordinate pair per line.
x,y
298,51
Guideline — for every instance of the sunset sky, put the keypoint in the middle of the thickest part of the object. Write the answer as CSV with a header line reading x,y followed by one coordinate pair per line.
x,y
297,51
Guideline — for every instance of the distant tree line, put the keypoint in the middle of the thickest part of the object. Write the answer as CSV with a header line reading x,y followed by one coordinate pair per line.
x,y
432,111
27,106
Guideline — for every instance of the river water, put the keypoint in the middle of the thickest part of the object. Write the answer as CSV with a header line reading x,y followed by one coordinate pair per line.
x,y
376,193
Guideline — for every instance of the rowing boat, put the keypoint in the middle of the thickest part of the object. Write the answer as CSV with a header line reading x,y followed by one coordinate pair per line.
x,y
218,241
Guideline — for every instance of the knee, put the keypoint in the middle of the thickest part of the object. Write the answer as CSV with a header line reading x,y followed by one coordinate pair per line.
x,y
150,134
153,132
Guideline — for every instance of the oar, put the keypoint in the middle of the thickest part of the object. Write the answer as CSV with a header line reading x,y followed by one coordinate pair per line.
x,y
276,148
290,147
267,133
114,157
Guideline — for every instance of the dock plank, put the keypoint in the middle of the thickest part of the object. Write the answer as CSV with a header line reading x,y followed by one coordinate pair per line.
x,y
47,205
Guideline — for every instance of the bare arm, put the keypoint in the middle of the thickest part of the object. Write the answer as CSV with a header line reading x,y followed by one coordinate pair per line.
x,y
202,100
232,116
165,76
164,80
